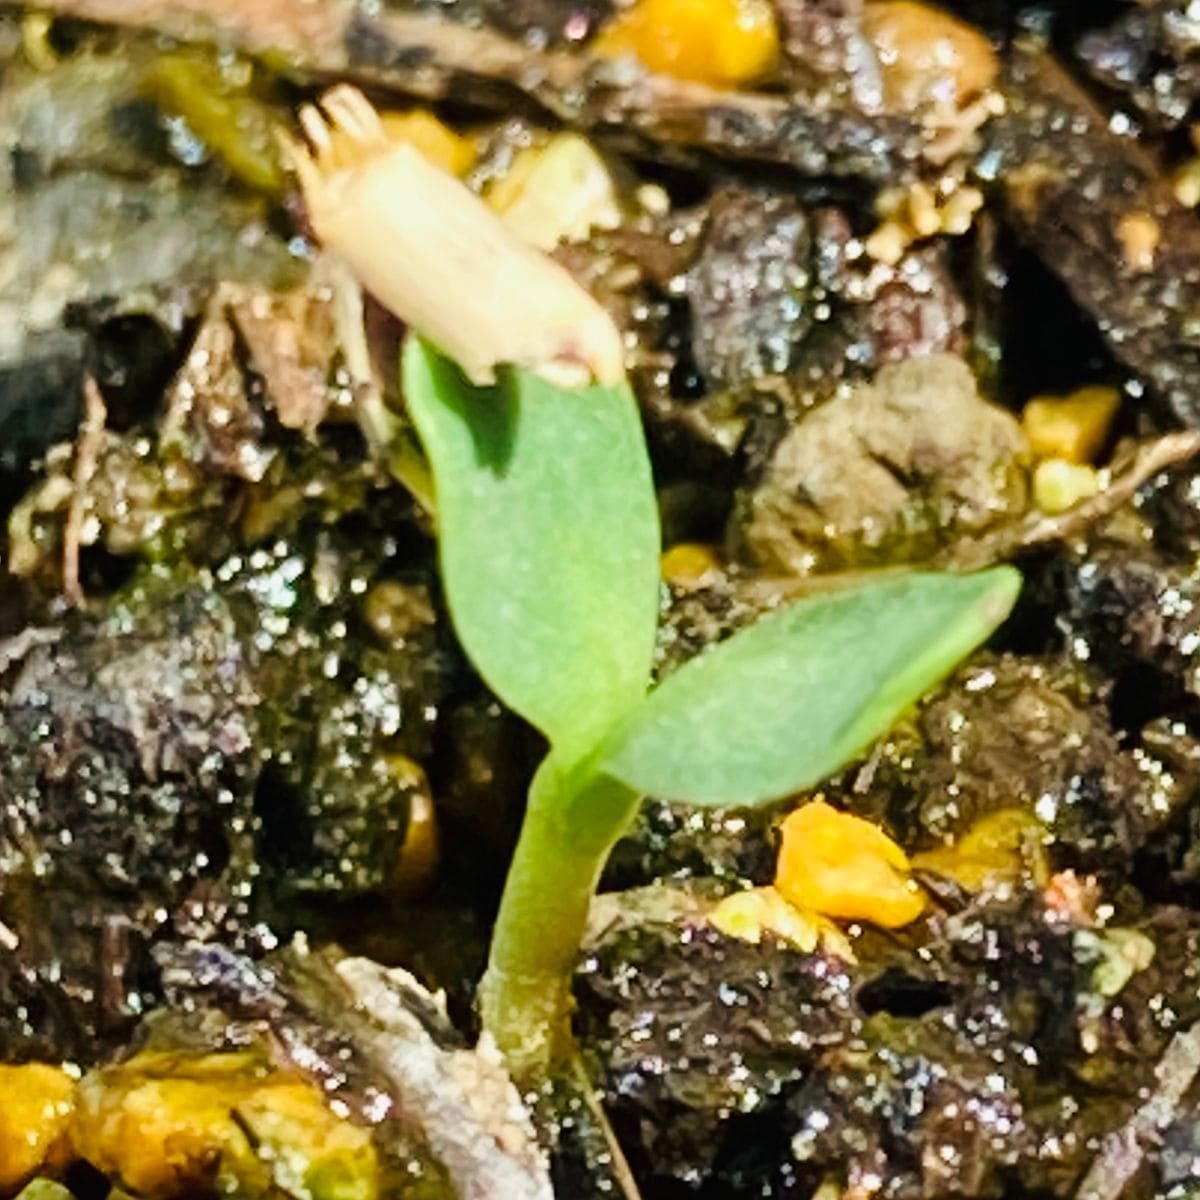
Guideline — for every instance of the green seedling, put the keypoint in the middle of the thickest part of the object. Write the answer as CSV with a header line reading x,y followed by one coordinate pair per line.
x,y
549,548
549,544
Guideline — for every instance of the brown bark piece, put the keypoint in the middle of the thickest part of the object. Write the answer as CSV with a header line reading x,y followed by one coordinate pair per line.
x,y
1096,210
427,56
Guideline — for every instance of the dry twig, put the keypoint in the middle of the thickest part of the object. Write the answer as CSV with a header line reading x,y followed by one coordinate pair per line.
x,y
1037,529
1123,1150
87,458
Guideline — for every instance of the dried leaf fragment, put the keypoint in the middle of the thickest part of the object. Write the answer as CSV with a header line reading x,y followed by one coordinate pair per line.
x,y
290,340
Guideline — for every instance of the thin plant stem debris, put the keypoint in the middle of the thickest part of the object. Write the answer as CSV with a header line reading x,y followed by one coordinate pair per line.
x,y
1143,463
1123,1150
87,456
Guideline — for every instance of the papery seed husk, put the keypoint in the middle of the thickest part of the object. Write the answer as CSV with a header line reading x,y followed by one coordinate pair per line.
x,y
435,255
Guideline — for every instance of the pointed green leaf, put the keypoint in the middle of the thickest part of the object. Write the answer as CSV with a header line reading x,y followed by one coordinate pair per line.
x,y
784,703
548,537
